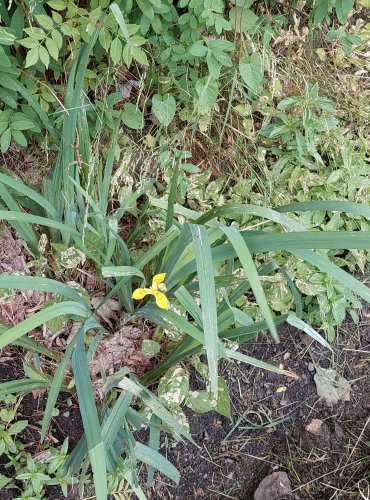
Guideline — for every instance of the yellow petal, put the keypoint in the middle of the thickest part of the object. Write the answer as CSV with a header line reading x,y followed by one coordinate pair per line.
x,y
158,278
140,293
161,300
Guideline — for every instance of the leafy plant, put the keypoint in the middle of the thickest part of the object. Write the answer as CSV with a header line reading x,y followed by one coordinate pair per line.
x,y
300,128
31,473
211,269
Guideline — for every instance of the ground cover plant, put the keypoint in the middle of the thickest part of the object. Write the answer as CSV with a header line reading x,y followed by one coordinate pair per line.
x,y
112,249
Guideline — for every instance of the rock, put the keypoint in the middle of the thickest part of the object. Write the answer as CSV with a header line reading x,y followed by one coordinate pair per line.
x,y
317,435
315,426
276,485
311,367
286,356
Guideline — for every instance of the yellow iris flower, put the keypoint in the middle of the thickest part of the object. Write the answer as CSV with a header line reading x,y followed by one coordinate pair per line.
x,y
157,288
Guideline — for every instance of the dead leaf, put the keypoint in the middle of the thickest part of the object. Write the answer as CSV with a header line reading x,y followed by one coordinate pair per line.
x,y
331,386
127,86
108,312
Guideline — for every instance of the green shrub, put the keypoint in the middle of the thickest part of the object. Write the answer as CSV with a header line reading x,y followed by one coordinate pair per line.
x,y
178,55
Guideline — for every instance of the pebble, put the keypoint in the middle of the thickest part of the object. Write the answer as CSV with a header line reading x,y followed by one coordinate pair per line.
x,y
286,356
311,367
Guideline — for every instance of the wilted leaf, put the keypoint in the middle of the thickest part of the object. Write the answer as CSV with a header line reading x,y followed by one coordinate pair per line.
x,y
331,386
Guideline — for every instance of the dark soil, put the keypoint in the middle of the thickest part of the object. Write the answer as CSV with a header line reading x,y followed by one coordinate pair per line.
x,y
267,430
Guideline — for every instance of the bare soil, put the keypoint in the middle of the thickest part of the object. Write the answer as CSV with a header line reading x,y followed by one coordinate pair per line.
x,y
267,432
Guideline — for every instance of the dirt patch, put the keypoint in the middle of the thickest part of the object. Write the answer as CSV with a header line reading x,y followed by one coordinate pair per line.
x,y
271,427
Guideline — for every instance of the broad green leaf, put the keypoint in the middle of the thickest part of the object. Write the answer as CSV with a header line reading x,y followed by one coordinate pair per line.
x,y
115,50
207,91
7,36
19,138
201,401
139,55
132,117
174,386
32,57
4,480
45,22
5,62
251,71
242,19
57,4
342,9
164,108
44,56
223,400
52,48
5,140
321,11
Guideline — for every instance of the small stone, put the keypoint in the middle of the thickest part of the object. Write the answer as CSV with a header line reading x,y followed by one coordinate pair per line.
x,y
276,485
311,367
314,427
286,356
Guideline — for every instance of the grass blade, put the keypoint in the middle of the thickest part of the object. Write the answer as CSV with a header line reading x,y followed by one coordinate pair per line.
x,y
333,206
246,260
90,419
19,282
239,356
30,193
301,325
11,216
59,375
204,263
156,460
22,385
41,317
